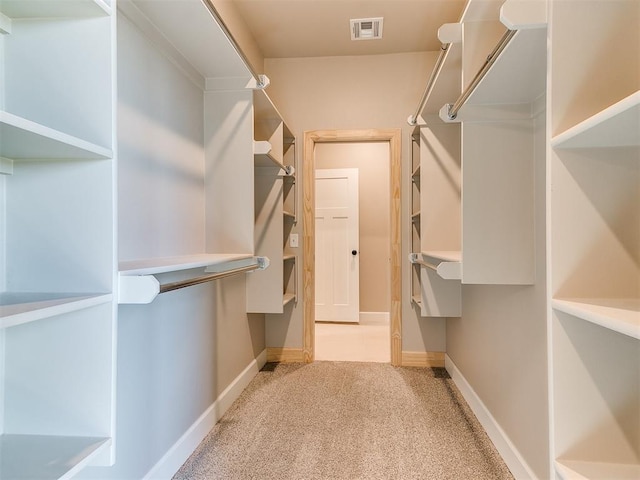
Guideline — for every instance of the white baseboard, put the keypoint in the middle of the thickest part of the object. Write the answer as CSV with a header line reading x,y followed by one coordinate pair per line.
x,y
180,451
518,466
374,318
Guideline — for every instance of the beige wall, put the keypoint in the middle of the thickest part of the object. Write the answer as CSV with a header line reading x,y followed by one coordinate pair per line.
x,y
500,343
372,161
339,93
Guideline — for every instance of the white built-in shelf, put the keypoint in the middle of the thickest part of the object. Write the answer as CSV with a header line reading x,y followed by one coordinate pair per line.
x,y
22,307
288,258
448,264
615,126
137,282
417,300
153,266
218,63
288,139
46,456
54,8
288,298
23,139
264,109
518,75
581,470
416,174
289,215
415,217
263,157
621,315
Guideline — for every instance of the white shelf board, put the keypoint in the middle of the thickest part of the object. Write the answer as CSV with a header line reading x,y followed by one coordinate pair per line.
x,y
22,307
288,298
289,215
23,139
417,300
448,264
217,60
518,75
288,258
54,8
582,470
153,266
621,315
47,456
615,126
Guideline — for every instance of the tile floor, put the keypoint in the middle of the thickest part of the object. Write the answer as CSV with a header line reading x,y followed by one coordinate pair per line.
x,y
352,342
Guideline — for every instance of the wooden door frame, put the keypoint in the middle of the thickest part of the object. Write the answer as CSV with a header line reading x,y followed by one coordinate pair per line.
x,y
393,136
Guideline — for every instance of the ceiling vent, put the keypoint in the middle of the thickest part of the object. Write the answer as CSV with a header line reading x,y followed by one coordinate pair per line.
x,y
366,28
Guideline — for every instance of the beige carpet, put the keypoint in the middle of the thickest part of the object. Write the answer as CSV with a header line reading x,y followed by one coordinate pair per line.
x,y
347,420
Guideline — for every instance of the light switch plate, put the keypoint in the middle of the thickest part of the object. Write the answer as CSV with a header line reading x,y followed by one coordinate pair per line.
x,y
293,240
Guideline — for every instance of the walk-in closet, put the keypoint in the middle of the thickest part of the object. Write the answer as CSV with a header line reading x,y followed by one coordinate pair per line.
x,y
157,232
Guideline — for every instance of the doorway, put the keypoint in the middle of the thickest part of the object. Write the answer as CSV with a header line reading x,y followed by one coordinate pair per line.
x,y
337,208
392,137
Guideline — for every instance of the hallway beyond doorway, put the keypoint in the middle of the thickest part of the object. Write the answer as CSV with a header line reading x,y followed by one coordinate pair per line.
x,y
352,342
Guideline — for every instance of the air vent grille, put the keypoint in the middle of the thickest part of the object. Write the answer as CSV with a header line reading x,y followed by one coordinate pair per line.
x,y
366,28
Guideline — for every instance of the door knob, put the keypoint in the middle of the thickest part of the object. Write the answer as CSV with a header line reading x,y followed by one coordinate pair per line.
x,y
354,252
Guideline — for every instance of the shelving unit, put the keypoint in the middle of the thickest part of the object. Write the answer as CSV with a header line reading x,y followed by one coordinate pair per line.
x,y
615,126
437,172
56,242
416,298
275,209
19,307
594,170
142,281
502,124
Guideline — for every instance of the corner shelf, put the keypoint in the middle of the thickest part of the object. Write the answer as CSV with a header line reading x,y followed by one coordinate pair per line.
x,y
17,308
615,126
47,456
24,139
619,315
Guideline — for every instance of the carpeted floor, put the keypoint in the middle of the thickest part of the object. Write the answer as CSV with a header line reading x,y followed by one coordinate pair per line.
x,y
347,420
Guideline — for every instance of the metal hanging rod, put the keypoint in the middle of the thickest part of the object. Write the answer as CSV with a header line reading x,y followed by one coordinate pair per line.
x,y
261,80
168,287
430,83
453,109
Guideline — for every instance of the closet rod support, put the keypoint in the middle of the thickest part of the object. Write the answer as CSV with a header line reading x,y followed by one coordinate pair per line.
x,y
413,120
453,109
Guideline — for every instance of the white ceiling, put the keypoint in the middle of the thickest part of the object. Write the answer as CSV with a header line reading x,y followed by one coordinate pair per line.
x,y
315,28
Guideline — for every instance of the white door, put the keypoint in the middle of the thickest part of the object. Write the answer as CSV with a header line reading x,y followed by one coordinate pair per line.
x,y
337,255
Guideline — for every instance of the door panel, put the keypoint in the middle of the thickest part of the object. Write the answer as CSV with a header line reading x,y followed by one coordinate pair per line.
x,y
337,269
